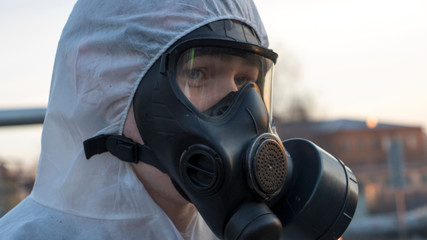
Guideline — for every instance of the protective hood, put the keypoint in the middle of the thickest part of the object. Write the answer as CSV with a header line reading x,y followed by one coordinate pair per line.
x,y
105,49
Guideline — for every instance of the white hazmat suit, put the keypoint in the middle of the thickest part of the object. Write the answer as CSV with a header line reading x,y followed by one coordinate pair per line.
x,y
105,49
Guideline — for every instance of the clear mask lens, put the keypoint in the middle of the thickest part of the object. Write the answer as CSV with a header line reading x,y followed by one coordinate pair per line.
x,y
210,76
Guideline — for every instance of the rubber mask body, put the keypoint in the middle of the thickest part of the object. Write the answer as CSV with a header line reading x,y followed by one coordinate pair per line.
x,y
208,158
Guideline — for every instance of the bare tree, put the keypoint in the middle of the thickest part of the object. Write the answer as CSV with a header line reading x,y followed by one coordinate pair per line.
x,y
291,101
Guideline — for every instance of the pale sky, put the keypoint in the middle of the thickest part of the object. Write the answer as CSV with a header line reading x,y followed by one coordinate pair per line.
x,y
355,59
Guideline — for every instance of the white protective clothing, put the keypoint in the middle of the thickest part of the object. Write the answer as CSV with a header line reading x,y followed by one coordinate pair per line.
x,y
105,49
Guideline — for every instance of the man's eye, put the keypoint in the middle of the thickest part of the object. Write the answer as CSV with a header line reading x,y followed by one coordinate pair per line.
x,y
240,80
196,77
195,74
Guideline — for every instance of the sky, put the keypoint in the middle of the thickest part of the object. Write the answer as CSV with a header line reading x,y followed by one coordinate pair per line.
x,y
356,58
353,59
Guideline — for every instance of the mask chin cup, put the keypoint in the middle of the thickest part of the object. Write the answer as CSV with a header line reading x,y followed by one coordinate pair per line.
x,y
253,221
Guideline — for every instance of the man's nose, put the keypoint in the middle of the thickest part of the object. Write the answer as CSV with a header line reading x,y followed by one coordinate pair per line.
x,y
231,84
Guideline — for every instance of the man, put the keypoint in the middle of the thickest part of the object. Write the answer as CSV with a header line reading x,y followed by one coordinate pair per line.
x,y
99,83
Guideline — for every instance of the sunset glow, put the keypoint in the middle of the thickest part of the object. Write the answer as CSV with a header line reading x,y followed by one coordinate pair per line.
x,y
371,122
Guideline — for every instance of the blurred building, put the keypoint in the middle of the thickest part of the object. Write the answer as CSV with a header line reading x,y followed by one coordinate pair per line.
x,y
364,146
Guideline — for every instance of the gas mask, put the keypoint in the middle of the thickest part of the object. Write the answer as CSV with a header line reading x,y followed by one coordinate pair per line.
x,y
204,113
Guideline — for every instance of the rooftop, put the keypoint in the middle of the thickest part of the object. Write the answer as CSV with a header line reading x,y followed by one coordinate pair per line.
x,y
339,125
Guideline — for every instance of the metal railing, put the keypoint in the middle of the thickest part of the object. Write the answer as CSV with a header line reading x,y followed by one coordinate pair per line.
x,y
14,117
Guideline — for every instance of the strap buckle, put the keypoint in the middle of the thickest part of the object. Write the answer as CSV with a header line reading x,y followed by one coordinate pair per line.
x,y
123,148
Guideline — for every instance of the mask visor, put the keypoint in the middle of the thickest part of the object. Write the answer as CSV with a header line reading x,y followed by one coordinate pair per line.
x,y
210,77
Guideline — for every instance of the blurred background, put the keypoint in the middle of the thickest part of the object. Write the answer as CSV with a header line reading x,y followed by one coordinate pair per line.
x,y
351,77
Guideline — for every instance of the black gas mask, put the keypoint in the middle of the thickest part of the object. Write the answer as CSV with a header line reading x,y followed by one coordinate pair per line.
x,y
204,113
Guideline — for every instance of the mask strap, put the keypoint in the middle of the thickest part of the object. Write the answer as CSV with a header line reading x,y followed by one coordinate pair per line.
x,y
122,147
